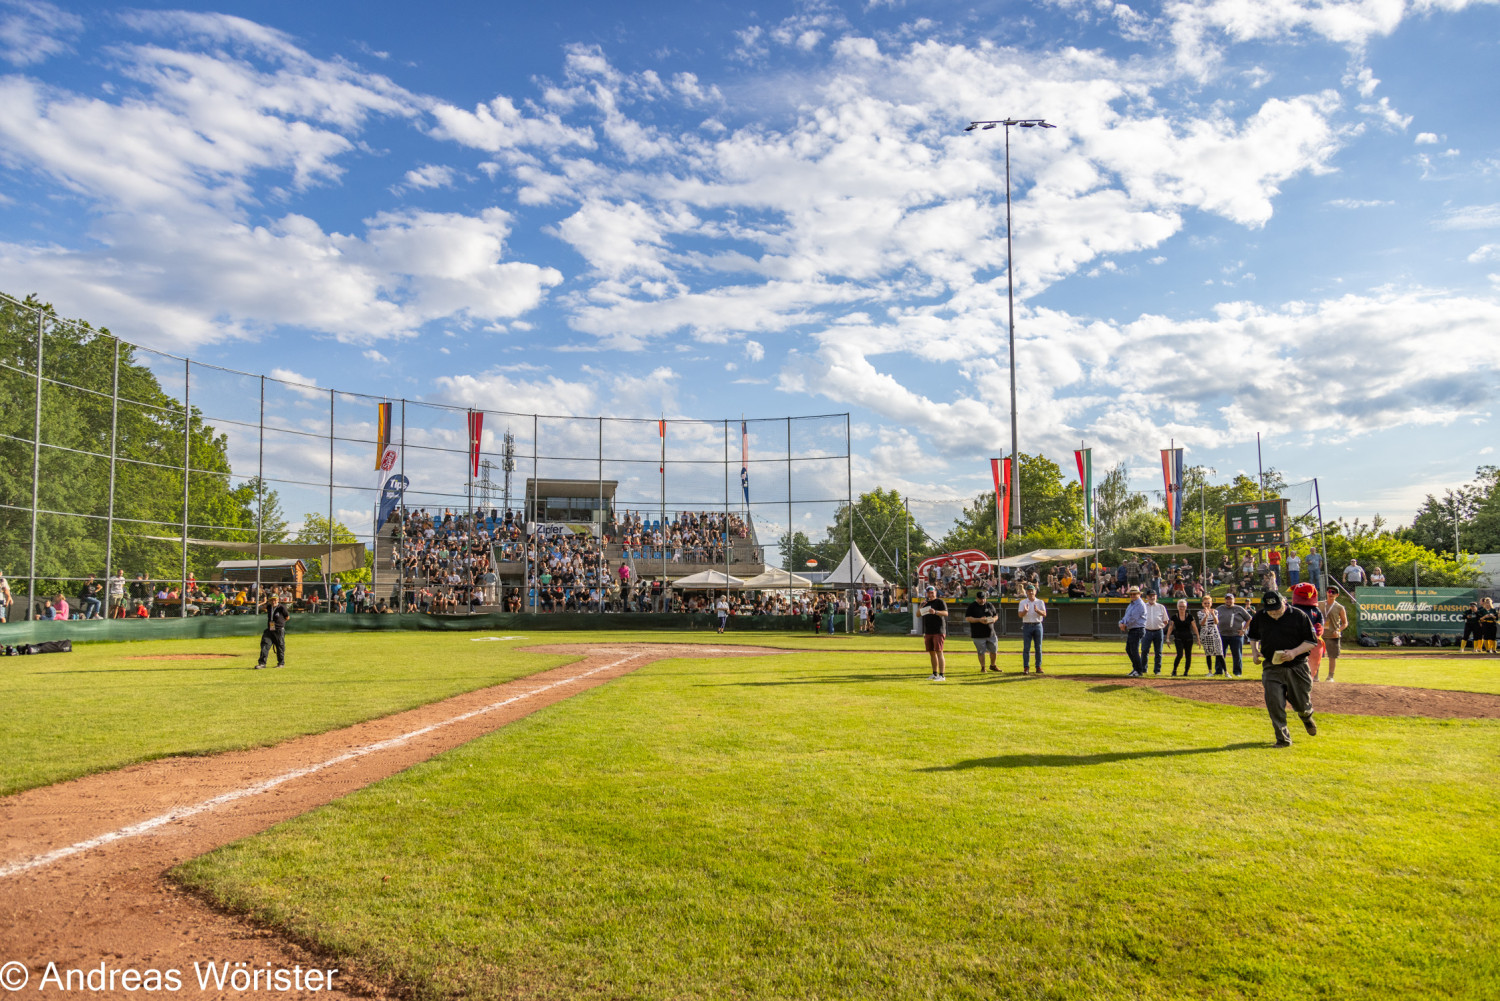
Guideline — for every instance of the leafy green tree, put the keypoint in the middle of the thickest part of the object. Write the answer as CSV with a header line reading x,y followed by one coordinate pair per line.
x,y
315,529
82,368
1114,501
1475,508
881,523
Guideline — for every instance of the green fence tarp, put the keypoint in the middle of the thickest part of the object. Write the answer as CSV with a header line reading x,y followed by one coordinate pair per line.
x,y
210,626
1421,611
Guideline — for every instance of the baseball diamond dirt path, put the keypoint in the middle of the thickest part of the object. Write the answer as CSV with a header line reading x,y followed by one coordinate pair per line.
x,y
83,863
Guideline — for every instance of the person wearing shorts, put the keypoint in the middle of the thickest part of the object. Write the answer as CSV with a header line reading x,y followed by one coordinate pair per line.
x,y
981,617
1335,621
934,613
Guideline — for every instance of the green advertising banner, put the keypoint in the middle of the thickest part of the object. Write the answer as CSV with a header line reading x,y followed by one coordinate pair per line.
x,y
1418,611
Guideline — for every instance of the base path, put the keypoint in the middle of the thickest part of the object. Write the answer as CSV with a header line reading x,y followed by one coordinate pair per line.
x,y
83,863
1334,697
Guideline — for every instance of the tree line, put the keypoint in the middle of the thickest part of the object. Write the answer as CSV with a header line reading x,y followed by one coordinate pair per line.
x,y
1052,505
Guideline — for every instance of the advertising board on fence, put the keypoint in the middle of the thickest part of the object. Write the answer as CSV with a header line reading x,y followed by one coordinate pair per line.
x,y
1420,611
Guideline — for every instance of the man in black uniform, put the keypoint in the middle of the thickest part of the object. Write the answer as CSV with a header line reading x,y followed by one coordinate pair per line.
x,y
1283,636
934,612
274,635
981,616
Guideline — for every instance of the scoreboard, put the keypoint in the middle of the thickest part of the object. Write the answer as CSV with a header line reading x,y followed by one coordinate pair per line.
x,y
1262,523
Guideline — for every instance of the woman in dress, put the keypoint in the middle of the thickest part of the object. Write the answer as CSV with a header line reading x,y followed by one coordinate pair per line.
x,y
1184,632
1209,638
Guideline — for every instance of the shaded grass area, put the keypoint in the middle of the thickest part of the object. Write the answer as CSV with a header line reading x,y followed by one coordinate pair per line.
x,y
823,826
102,706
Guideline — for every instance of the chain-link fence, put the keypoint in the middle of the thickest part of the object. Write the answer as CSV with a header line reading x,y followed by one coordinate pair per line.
x,y
138,483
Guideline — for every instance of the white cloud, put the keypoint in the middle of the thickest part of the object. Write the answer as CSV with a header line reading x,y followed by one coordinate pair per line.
x,y
31,31
376,357
1358,203
1488,252
429,176
1388,116
1471,217
754,351
1427,139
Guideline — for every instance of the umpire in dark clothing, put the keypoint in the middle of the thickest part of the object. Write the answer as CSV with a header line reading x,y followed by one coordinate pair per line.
x,y
274,635
1283,637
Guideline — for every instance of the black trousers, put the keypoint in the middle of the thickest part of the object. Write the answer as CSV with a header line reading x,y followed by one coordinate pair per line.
x,y
1283,684
273,639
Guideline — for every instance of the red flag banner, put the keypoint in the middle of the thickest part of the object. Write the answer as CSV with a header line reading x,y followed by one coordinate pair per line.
x,y
1000,469
476,430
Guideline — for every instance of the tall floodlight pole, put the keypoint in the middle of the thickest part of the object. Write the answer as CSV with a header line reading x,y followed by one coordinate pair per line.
x,y
1010,295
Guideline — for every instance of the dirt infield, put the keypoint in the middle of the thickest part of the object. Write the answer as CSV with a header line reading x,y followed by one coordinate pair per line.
x,y
1336,697
83,863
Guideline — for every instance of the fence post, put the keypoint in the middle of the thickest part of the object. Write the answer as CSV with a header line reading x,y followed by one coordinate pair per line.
x,y
36,468
187,435
109,524
260,489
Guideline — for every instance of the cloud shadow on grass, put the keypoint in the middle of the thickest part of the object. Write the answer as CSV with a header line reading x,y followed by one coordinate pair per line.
x,y
1082,760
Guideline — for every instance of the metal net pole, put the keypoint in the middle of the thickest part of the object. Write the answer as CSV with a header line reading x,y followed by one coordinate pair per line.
x,y
328,556
260,487
187,436
109,524
36,468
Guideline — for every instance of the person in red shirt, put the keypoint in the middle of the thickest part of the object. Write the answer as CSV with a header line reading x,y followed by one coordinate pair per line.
x,y
1274,560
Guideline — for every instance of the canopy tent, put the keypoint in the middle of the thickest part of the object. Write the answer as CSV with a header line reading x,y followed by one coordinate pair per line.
x,y
1024,560
1051,555
707,579
341,557
854,571
1176,550
776,579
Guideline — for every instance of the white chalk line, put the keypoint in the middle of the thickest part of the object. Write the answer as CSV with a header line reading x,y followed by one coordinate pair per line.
x,y
182,813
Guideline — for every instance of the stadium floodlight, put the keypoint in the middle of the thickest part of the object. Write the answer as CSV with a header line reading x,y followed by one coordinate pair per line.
x,y
1010,280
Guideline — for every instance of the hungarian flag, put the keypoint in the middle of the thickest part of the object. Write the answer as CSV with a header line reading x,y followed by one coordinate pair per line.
x,y
1000,469
382,432
476,430
1172,474
1085,457
661,429
745,461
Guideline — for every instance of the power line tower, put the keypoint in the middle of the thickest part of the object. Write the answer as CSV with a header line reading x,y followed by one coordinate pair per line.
x,y
508,464
485,485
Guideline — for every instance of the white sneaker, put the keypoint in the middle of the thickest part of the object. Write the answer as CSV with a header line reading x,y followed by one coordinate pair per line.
x,y
933,676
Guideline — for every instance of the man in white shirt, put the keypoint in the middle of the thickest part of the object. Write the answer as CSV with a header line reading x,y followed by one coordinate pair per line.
x,y
1354,574
721,607
1033,611
1156,630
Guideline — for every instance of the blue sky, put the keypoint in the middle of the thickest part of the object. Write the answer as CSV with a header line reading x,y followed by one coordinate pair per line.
x,y
1279,217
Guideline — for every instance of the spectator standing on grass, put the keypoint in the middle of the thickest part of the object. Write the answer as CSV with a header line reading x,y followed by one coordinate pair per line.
x,y
1294,567
1133,625
1157,620
117,595
5,598
1354,574
1208,637
1184,635
1033,613
1315,569
934,612
981,617
721,609
1377,578
1273,565
1335,621
1234,620
1283,637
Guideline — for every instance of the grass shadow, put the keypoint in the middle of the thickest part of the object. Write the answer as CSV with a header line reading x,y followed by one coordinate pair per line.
x,y
1081,760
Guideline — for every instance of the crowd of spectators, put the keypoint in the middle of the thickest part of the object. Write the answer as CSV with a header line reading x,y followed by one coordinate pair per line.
x,y
686,537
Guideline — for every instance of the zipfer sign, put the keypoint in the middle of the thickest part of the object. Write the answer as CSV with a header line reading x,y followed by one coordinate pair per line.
x,y
1419,611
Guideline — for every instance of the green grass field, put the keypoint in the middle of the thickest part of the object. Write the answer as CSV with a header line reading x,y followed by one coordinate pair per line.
x,y
829,824
104,706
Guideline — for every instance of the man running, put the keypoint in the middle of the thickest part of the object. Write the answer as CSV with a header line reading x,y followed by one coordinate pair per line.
x,y
981,616
934,631
1283,637
274,635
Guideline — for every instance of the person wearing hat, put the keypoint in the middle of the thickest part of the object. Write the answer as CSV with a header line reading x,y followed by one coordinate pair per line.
x,y
981,617
1305,600
934,613
1282,637
1133,625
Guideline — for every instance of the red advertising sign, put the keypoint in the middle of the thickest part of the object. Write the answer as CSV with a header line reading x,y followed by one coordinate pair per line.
x,y
969,563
